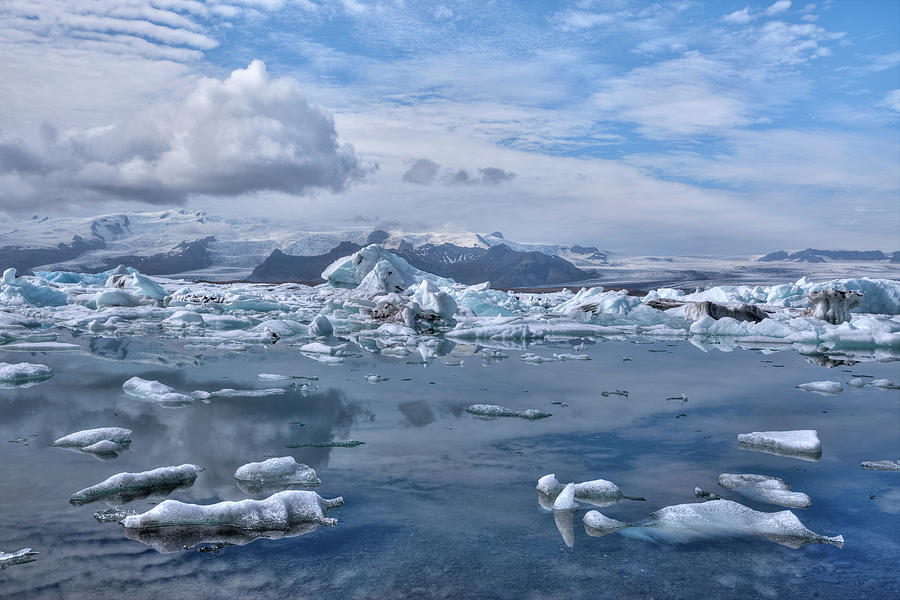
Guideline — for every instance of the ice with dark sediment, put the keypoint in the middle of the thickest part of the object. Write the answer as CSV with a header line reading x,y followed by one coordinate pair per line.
x,y
25,555
278,472
802,443
822,387
705,496
881,465
155,391
765,488
23,374
495,410
683,523
130,486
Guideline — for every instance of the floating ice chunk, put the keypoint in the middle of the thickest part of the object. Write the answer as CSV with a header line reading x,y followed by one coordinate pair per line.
x,y
112,515
495,410
432,301
538,359
375,378
320,348
129,486
39,347
566,498
321,326
232,393
90,437
147,286
280,377
705,496
154,391
23,374
184,318
596,524
336,444
822,387
881,465
719,518
549,485
833,305
283,471
277,512
762,487
599,492
803,443
741,312
885,384
115,298
857,382
17,291
25,555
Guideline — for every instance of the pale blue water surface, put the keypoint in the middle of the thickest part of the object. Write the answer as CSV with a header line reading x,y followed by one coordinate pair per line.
x,y
440,503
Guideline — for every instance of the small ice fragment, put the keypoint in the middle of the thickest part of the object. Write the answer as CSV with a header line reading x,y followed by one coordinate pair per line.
x,y
857,382
822,387
549,485
25,555
232,393
885,384
341,444
281,471
154,391
803,443
682,397
763,487
375,378
23,374
704,495
129,486
566,498
881,465
279,377
321,326
277,512
112,515
597,524
606,394
102,447
89,437
495,410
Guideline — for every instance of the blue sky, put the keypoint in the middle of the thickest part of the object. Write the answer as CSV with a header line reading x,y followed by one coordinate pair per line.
x,y
677,127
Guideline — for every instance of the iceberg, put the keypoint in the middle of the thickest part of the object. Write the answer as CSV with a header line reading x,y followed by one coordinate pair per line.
x,y
90,437
25,555
762,487
321,327
495,410
684,523
154,391
275,472
130,486
885,384
23,374
740,312
834,305
18,291
822,387
598,492
803,444
566,498
596,524
881,465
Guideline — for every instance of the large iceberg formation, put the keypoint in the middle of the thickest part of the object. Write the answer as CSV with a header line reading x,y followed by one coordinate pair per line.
x,y
129,486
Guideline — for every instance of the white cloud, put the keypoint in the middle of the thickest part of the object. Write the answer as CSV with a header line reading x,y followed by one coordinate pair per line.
x,y
739,17
778,7
226,138
891,101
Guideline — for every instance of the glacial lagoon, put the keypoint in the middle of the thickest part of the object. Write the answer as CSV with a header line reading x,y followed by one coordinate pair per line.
x,y
440,503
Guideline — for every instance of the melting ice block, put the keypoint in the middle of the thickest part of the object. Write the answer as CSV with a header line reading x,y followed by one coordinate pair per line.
x,y
881,465
495,410
833,305
232,393
822,387
23,374
279,511
91,437
25,555
598,492
129,486
765,488
596,524
885,384
566,498
154,391
721,518
282,471
802,443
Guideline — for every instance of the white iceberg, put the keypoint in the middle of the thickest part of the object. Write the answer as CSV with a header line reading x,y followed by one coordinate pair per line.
x,y
23,374
25,555
154,391
763,487
566,498
495,410
822,387
89,437
803,443
129,486
276,472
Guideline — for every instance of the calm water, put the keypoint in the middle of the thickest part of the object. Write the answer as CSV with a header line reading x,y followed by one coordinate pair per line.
x,y
439,503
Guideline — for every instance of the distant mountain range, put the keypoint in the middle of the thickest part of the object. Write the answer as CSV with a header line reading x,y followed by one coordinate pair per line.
x,y
812,255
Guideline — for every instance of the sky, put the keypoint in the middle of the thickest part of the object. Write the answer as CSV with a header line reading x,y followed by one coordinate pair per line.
x,y
647,127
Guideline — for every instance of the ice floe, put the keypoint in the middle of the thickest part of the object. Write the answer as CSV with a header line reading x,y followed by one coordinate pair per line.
x,y
495,410
597,492
103,442
822,387
881,465
233,393
803,443
282,472
763,487
23,374
130,486
684,523
25,555
154,391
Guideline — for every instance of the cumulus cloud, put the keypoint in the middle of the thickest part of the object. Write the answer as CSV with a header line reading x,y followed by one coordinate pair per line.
x,y
486,176
778,7
245,134
422,172
739,17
